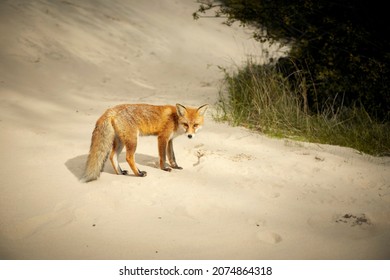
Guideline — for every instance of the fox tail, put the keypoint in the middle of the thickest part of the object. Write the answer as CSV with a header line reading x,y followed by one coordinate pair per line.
x,y
101,144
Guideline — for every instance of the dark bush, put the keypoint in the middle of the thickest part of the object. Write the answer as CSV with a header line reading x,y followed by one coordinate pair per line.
x,y
341,47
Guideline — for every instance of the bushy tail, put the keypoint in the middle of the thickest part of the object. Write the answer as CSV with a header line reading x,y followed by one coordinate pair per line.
x,y
101,144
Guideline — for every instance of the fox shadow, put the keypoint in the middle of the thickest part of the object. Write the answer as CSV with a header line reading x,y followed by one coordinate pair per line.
x,y
76,165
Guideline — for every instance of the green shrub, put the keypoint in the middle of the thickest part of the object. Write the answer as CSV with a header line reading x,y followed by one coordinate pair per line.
x,y
261,98
342,47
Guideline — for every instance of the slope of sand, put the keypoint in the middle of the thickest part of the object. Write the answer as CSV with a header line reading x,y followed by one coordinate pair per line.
x,y
240,195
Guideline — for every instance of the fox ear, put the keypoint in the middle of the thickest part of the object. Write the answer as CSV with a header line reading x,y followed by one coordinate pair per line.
x,y
181,110
202,109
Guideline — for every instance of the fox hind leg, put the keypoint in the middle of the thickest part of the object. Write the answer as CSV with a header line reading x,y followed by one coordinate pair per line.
x,y
131,146
117,148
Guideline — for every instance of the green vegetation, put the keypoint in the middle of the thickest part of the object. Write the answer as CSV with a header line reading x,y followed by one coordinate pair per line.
x,y
261,98
334,85
342,47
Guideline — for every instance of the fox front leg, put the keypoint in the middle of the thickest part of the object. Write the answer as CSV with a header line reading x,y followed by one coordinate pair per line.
x,y
162,151
171,155
130,151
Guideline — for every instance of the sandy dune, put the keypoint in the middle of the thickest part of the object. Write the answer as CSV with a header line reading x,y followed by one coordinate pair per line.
x,y
240,195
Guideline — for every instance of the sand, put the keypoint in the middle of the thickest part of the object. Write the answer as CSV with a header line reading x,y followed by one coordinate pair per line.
x,y
241,195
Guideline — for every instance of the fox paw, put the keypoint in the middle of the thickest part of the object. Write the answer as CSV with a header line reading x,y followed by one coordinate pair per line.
x,y
124,172
177,167
142,173
167,169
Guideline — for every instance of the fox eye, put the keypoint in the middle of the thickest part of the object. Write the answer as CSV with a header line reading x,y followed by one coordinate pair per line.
x,y
196,125
185,125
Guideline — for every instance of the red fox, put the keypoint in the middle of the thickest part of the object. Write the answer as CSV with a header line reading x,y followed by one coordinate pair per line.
x,y
121,125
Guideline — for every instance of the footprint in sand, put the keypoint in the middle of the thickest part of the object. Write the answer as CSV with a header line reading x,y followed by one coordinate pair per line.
x,y
264,235
269,237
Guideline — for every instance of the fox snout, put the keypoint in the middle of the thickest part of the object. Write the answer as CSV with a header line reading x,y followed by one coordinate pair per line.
x,y
191,131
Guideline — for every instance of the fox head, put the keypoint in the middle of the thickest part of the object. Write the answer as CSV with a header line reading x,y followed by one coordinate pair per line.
x,y
191,119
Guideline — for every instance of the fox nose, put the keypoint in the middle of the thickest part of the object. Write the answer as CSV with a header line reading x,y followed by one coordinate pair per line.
x,y
189,136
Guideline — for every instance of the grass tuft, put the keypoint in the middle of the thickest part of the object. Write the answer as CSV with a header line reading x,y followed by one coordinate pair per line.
x,y
260,98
